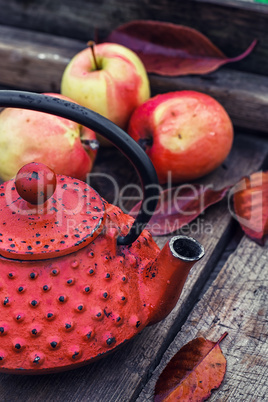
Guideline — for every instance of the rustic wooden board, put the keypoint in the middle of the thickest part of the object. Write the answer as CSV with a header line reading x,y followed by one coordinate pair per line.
x,y
121,376
231,25
236,302
34,61
24,60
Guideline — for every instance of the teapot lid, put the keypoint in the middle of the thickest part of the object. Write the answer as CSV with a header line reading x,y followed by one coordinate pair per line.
x,y
44,215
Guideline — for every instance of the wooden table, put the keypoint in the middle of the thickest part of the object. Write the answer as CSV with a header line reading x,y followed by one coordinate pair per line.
x,y
227,289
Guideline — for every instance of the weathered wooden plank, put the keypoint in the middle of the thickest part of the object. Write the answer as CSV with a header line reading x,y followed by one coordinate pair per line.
x,y
121,376
38,66
244,4
237,303
34,61
231,25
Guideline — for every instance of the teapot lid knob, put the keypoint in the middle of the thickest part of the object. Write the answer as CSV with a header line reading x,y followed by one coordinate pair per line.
x,y
35,183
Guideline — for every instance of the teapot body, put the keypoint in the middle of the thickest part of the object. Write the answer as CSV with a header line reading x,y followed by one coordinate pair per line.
x,y
64,312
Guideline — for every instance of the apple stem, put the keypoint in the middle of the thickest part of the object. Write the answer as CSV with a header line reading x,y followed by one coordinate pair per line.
x,y
92,144
91,44
145,143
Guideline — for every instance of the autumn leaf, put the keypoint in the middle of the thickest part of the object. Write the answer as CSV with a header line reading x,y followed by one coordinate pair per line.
x,y
170,49
192,373
250,201
178,206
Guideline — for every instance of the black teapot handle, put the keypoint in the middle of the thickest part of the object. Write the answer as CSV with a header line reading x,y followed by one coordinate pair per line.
x,y
118,137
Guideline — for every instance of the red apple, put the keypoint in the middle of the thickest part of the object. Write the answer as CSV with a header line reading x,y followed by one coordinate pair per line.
x,y
109,79
186,133
29,136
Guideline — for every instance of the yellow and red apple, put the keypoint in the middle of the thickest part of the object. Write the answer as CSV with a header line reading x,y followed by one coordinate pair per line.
x,y
110,80
29,136
187,133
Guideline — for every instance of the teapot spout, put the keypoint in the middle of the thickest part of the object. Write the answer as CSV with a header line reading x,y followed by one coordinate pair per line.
x,y
165,277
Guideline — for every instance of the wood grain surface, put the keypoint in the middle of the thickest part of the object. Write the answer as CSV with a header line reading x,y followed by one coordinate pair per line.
x,y
34,61
37,65
122,375
236,302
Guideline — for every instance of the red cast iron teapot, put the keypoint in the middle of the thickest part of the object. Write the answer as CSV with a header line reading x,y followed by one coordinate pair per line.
x,y
78,277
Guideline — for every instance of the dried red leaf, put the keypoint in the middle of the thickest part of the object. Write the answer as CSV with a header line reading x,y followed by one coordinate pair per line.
x,y
250,199
193,372
170,49
178,206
